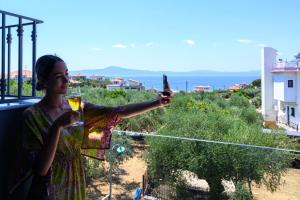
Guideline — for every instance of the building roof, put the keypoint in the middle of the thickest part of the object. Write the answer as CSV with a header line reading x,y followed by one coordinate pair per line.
x,y
77,75
202,87
96,76
117,79
26,73
234,87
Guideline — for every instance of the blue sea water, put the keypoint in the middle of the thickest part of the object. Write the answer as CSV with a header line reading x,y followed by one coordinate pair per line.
x,y
179,83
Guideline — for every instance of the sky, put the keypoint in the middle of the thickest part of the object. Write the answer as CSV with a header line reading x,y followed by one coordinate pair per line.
x,y
173,35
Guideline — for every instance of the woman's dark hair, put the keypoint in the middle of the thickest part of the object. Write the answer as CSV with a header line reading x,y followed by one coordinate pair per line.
x,y
44,66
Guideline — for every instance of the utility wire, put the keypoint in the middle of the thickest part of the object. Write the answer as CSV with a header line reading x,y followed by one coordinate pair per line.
x,y
154,134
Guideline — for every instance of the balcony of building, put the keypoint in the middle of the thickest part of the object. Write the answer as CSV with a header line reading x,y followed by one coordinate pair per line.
x,y
286,66
14,98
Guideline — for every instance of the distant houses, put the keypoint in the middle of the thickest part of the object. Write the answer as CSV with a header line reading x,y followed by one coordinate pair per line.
x,y
236,87
205,88
26,75
118,83
97,78
78,77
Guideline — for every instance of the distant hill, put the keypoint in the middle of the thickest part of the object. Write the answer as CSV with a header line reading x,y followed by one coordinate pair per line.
x,y
125,72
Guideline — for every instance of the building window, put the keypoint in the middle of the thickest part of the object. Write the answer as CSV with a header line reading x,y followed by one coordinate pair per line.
x,y
290,83
293,112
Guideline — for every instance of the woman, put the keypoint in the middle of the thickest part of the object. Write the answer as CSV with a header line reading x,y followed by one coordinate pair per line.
x,y
54,147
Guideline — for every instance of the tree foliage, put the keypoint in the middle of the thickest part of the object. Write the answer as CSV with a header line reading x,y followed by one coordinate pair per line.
x,y
209,116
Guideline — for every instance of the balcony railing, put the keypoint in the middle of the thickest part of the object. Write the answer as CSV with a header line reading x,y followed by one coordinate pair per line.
x,y
286,66
6,53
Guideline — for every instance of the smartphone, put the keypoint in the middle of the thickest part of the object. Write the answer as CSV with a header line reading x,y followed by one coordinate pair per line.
x,y
166,86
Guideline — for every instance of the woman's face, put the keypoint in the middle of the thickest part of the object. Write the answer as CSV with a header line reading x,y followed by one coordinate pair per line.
x,y
58,79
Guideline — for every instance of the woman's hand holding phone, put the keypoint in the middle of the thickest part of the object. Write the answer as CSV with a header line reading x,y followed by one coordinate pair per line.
x,y
166,95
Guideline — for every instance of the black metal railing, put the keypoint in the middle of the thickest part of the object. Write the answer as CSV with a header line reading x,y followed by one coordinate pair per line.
x,y
6,77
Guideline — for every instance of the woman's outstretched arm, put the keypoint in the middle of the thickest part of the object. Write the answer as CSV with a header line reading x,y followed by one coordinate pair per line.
x,y
130,110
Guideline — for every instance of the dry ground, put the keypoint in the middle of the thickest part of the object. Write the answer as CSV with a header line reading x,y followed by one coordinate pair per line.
x,y
133,169
290,190
124,185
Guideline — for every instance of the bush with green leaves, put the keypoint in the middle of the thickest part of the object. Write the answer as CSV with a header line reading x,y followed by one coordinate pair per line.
x,y
235,120
256,83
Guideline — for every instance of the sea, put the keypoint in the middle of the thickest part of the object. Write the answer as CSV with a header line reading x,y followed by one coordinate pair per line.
x,y
188,83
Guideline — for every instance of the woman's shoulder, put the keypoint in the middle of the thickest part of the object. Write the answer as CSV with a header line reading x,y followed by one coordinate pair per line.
x,y
31,110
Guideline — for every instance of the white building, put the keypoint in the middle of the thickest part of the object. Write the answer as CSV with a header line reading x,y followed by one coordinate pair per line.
x,y
119,83
133,83
97,78
199,88
280,89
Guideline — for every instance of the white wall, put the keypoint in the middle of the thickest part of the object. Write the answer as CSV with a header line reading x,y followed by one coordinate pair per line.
x,y
281,90
278,84
268,59
133,83
290,93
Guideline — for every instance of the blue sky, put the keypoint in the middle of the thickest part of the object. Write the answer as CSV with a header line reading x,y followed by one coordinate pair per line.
x,y
162,34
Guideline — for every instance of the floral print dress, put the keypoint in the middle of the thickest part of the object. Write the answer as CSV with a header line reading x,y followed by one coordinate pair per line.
x,y
67,180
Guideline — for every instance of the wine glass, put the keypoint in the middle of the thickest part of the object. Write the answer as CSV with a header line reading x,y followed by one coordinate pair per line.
x,y
74,101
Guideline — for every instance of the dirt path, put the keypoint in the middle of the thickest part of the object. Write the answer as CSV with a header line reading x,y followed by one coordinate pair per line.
x,y
290,190
124,185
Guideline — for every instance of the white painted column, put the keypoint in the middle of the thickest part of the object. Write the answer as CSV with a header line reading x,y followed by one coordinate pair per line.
x,y
268,59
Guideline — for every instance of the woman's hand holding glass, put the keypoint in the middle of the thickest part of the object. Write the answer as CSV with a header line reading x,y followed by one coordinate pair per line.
x,y
66,119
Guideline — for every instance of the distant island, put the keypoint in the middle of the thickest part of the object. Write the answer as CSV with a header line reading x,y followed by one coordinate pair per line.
x,y
112,71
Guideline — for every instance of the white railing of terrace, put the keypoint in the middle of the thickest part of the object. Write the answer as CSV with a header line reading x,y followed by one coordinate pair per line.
x,y
290,65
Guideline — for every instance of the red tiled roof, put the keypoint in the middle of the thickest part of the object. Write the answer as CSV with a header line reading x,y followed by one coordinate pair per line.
x,y
234,87
26,73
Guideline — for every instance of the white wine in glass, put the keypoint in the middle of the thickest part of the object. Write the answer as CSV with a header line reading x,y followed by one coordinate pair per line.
x,y
74,101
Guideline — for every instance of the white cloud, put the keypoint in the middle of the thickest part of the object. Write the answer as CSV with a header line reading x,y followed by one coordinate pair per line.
x,y
132,45
95,49
245,41
190,42
119,46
